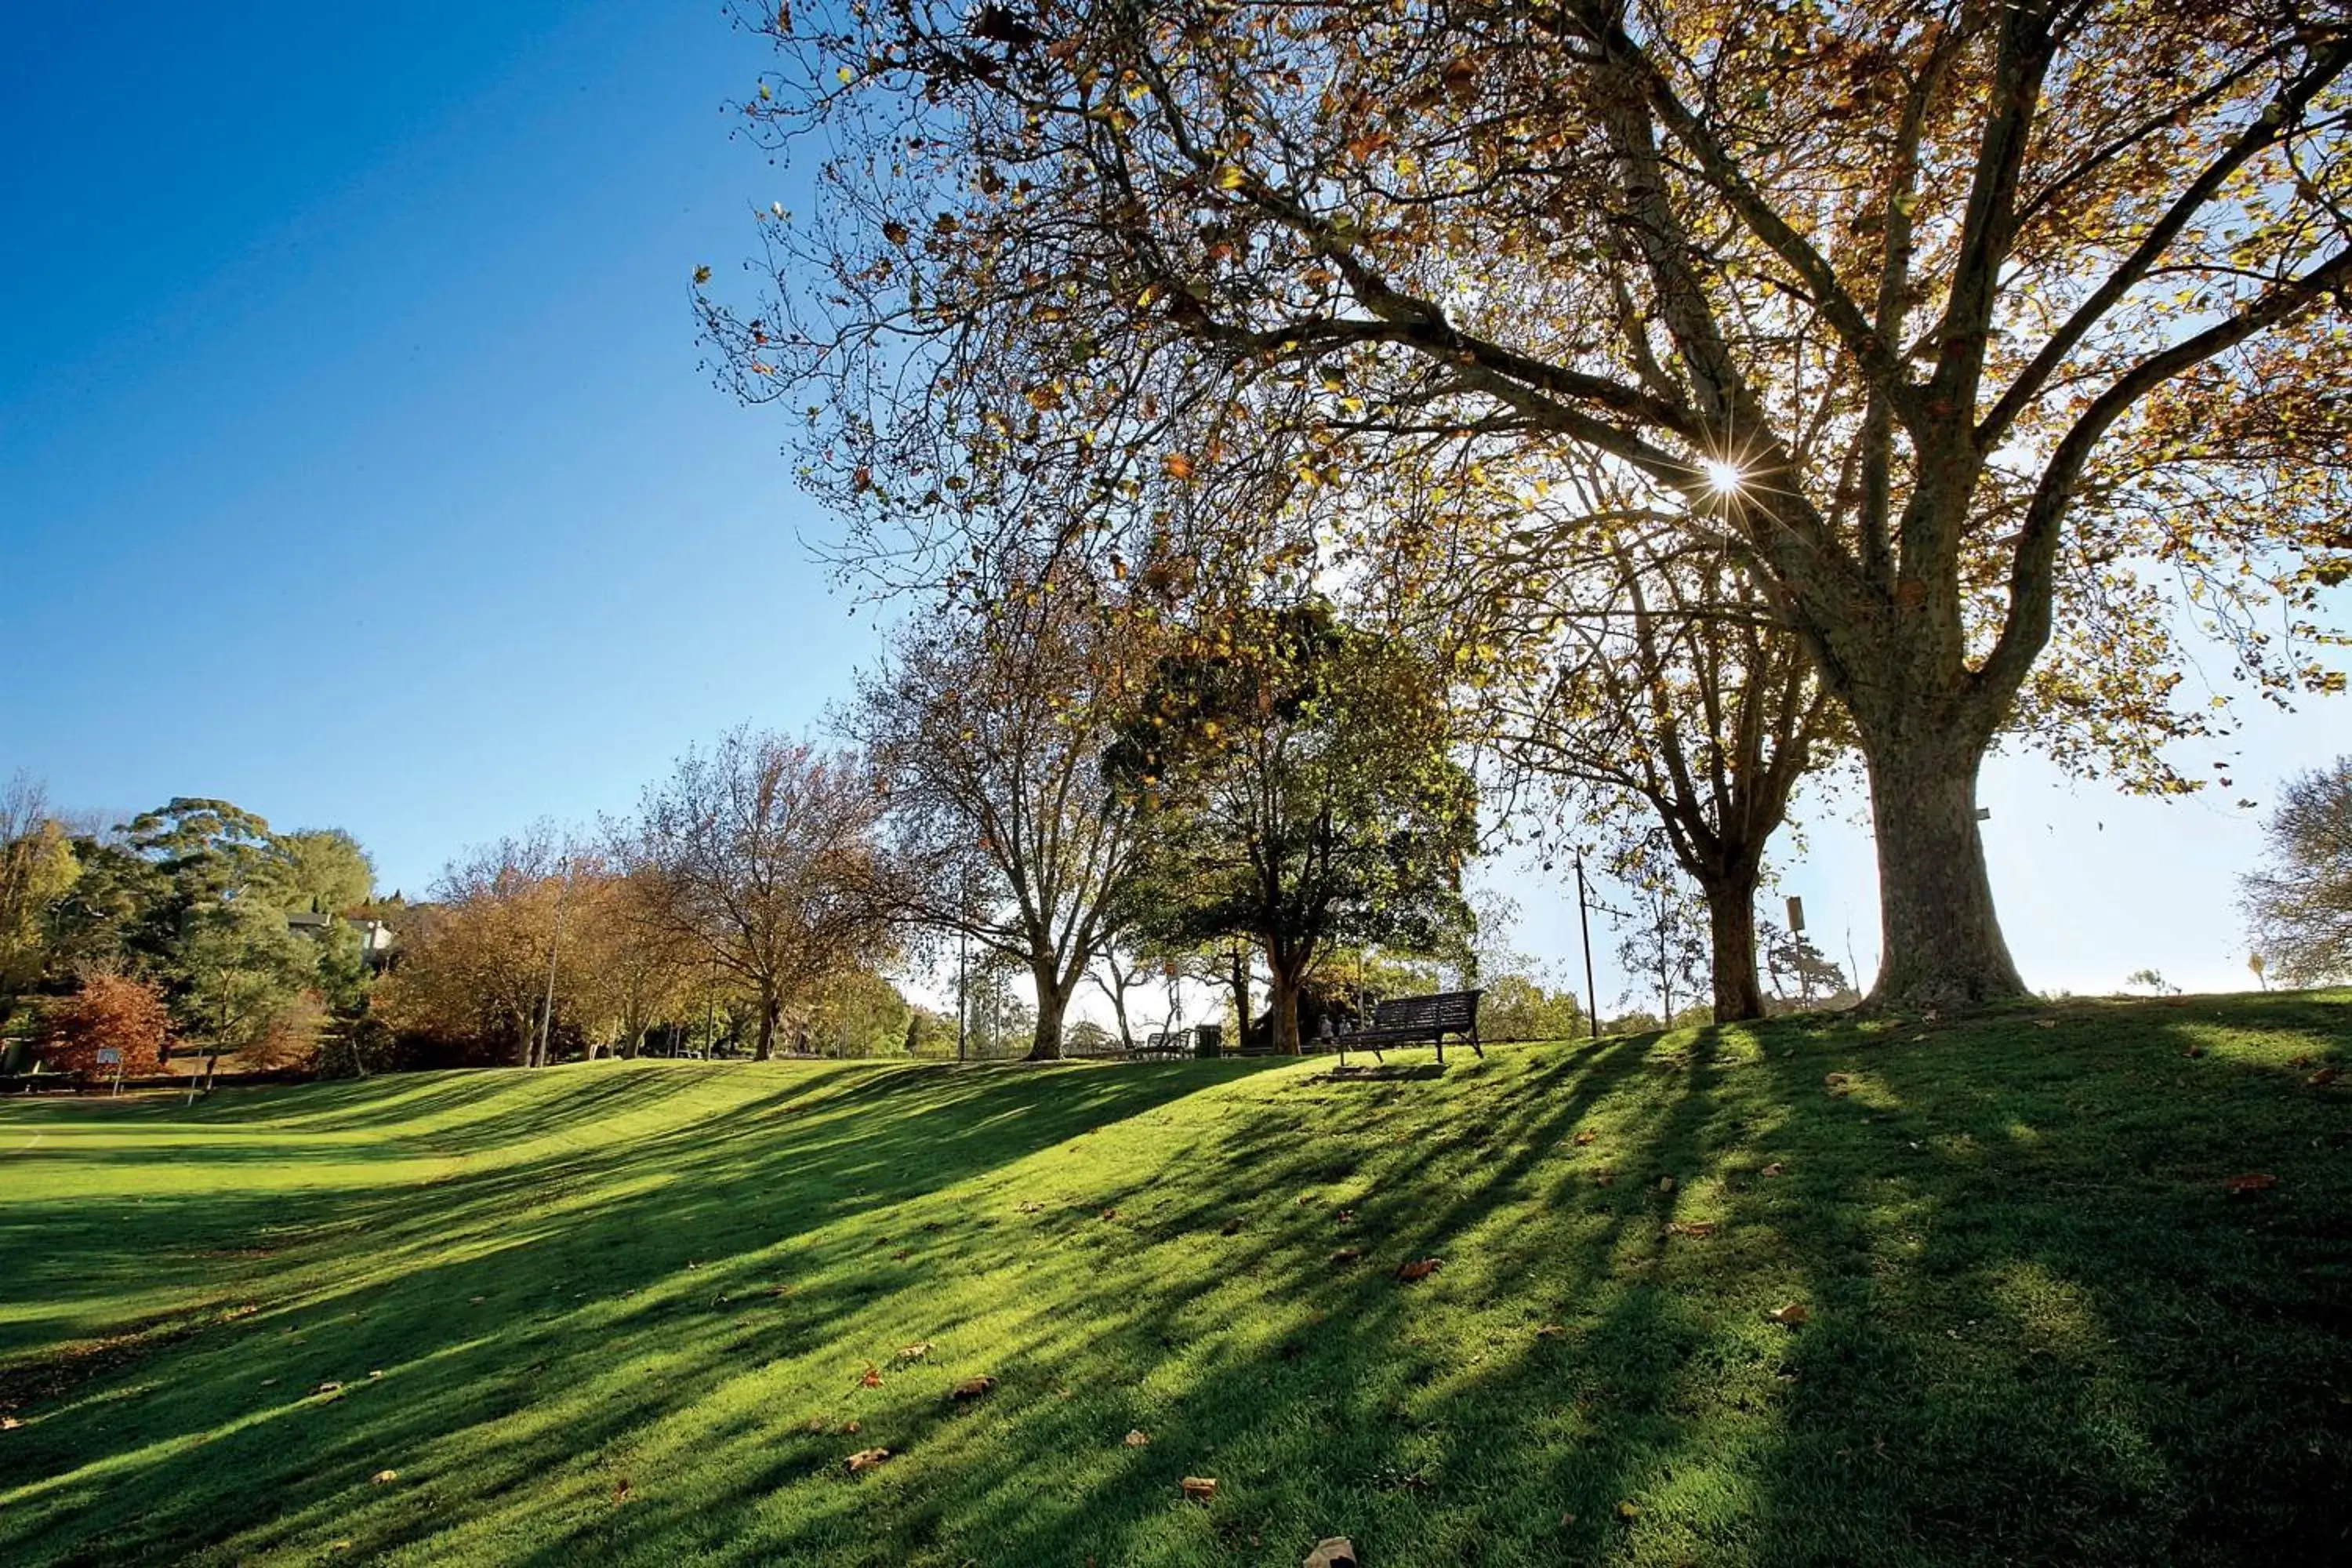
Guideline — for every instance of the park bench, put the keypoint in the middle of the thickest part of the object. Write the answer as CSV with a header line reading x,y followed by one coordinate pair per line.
x,y
1166,1043
1404,1020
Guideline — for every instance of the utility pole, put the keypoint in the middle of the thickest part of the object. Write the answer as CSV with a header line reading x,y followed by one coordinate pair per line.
x,y
1584,923
963,1004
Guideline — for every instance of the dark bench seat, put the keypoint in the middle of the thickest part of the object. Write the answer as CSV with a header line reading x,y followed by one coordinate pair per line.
x,y
1406,1020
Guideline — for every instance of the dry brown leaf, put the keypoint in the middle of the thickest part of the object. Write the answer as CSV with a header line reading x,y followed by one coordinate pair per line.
x,y
817,1424
385,1478
1137,1438
1604,1177
2324,1077
1775,1168
329,1387
2252,1182
1836,1082
1232,1226
2194,1051
1549,1331
1665,1183
1331,1551
1420,1268
849,1428
1200,1488
1693,1227
871,1377
915,1351
1110,1213
1585,1137
1348,1254
1346,1217
867,1459
972,1388
621,1489
1789,1316
9,1423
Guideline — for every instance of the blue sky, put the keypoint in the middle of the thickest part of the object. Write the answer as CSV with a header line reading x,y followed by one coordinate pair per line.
x,y
355,464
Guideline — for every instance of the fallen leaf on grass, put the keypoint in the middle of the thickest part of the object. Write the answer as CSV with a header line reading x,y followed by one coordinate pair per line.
x,y
1550,1331
1585,1137
903,1254
1665,1183
816,1424
1836,1082
1232,1226
2324,1077
2045,1023
1346,1217
2194,1051
385,1478
1420,1268
1331,1551
1775,1168
1348,1254
871,1377
867,1459
1788,1316
1604,1177
1200,1488
1697,1228
849,1428
1629,1510
2252,1182
972,1388
1137,1438
915,1351
329,1387
1110,1213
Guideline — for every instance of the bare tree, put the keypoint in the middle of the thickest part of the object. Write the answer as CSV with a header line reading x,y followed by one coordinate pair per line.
x,y
2299,904
763,853
987,731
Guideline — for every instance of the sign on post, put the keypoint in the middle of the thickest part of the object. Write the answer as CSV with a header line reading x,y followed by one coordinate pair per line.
x,y
1796,915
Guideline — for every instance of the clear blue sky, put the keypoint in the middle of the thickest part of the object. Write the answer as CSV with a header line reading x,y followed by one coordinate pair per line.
x,y
355,465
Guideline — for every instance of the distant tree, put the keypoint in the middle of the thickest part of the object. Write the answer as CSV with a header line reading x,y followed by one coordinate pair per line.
x,y
2298,904
1792,960
109,1013
1296,789
324,871
1520,1007
986,725
38,868
475,966
858,1014
237,968
1664,943
765,854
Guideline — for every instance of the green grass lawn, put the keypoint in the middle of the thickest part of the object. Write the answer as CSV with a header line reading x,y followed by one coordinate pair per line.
x,y
626,1313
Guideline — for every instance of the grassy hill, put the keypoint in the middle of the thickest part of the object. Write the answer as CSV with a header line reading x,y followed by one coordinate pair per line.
x,y
627,1312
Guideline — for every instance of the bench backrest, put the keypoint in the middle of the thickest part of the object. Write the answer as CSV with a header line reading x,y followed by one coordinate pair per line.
x,y
1442,1010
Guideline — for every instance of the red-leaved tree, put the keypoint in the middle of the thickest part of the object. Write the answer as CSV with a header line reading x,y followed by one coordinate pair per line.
x,y
111,1012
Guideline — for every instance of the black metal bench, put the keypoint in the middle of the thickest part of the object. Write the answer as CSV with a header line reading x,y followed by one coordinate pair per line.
x,y
1405,1020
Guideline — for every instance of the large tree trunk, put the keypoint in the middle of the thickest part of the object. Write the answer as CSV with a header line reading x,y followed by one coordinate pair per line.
x,y
1241,998
1284,1004
1731,933
1941,942
1053,1001
766,1050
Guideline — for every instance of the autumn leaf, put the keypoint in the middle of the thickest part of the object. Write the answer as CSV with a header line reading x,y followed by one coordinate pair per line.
x,y
1665,1183
1585,1137
849,1428
1110,1213
385,1478
1789,1316
915,1351
701,276
1836,1082
2324,1077
1137,1438
1420,1268
1550,1331
1177,466
1231,177
1775,1168
895,232
621,1489
867,1459
1232,1226
871,1378
1348,1254
1331,1551
972,1388
1695,1228
2252,1182
1200,1488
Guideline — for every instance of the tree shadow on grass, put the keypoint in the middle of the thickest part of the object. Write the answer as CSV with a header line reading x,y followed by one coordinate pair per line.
x,y
2037,1329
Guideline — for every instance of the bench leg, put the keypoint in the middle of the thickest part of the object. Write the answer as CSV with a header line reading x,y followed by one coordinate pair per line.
x,y
1476,1047
1441,1050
